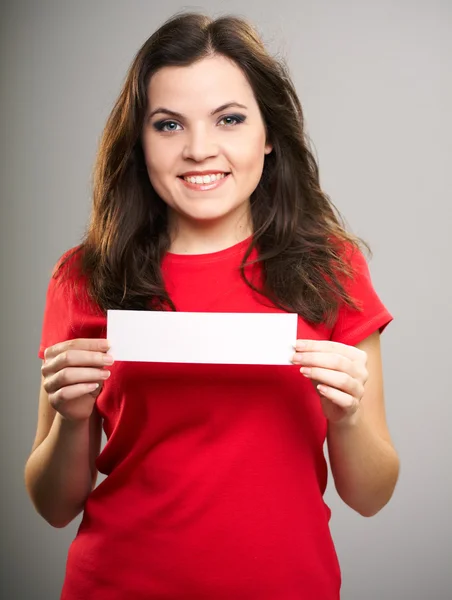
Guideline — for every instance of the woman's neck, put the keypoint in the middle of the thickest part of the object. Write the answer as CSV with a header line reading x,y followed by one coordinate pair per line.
x,y
207,237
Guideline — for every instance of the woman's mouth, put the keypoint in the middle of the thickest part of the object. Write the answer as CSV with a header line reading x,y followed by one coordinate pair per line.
x,y
204,183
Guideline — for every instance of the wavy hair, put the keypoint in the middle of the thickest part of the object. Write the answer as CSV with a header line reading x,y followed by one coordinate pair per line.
x,y
300,237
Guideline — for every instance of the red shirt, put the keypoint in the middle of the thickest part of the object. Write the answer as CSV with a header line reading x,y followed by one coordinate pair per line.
x,y
216,473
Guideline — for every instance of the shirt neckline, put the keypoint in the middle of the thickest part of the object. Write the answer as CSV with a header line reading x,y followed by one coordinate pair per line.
x,y
209,257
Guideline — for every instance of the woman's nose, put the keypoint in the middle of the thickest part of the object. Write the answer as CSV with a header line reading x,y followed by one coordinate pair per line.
x,y
200,145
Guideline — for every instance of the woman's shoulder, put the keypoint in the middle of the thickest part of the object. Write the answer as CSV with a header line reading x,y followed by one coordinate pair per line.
x,y
69,270
69,267
69,278
353,255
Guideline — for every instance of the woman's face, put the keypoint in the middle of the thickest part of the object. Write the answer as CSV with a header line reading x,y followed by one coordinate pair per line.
x,y
204,140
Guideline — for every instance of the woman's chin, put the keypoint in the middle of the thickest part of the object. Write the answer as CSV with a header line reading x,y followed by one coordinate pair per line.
x,y
206,215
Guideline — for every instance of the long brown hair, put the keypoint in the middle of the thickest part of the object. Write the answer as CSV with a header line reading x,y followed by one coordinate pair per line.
x,y
300,236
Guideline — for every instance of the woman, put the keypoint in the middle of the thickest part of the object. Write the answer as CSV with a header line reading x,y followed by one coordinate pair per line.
x,y
207,199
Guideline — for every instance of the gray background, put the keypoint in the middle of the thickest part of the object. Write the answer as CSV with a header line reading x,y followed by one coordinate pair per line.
x,y
375,82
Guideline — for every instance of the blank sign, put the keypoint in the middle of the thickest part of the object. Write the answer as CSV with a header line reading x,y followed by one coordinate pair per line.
x,y
220,338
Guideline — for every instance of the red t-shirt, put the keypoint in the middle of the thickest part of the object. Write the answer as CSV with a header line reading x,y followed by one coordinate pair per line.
x,y
216,473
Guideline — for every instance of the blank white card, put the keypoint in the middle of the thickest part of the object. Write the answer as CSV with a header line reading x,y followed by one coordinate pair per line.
x,y
220,338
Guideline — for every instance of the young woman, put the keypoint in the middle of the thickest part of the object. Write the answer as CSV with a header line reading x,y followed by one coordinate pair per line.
x,y
207,199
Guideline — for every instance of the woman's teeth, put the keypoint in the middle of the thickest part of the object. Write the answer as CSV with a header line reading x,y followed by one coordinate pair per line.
x,y
205,178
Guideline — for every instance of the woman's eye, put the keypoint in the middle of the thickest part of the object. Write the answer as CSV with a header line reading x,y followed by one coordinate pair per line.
x,y
232,119
166,126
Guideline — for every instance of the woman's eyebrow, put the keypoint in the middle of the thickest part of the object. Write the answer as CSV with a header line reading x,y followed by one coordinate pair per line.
x,y
177,115
227,106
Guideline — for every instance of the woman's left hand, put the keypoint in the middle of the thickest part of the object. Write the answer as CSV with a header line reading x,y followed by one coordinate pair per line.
x,y
339,373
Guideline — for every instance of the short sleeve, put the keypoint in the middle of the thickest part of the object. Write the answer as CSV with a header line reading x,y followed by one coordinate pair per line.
x,y
57,319
352,326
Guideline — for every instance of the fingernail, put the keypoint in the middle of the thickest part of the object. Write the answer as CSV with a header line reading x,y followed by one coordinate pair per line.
x,y
105,374
300,345
108,359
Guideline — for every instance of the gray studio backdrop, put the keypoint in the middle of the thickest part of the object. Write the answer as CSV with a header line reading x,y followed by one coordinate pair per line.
x,y
375,82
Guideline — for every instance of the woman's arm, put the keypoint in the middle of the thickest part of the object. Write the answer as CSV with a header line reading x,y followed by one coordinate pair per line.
x,y
364,463
60,472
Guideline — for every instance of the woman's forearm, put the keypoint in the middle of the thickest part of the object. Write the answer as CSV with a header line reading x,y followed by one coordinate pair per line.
x,y
57,474
365,466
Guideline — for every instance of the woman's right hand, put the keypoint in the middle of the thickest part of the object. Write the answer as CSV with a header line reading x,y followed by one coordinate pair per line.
x,y
74,373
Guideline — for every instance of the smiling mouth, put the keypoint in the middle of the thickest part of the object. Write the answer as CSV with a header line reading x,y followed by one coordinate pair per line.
x,y
204,183
204,179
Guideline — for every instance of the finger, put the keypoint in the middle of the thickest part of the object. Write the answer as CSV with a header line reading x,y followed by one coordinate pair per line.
x,y
76,358
328,346
335,379
93,344
72,392
72,376
327,360
338,397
